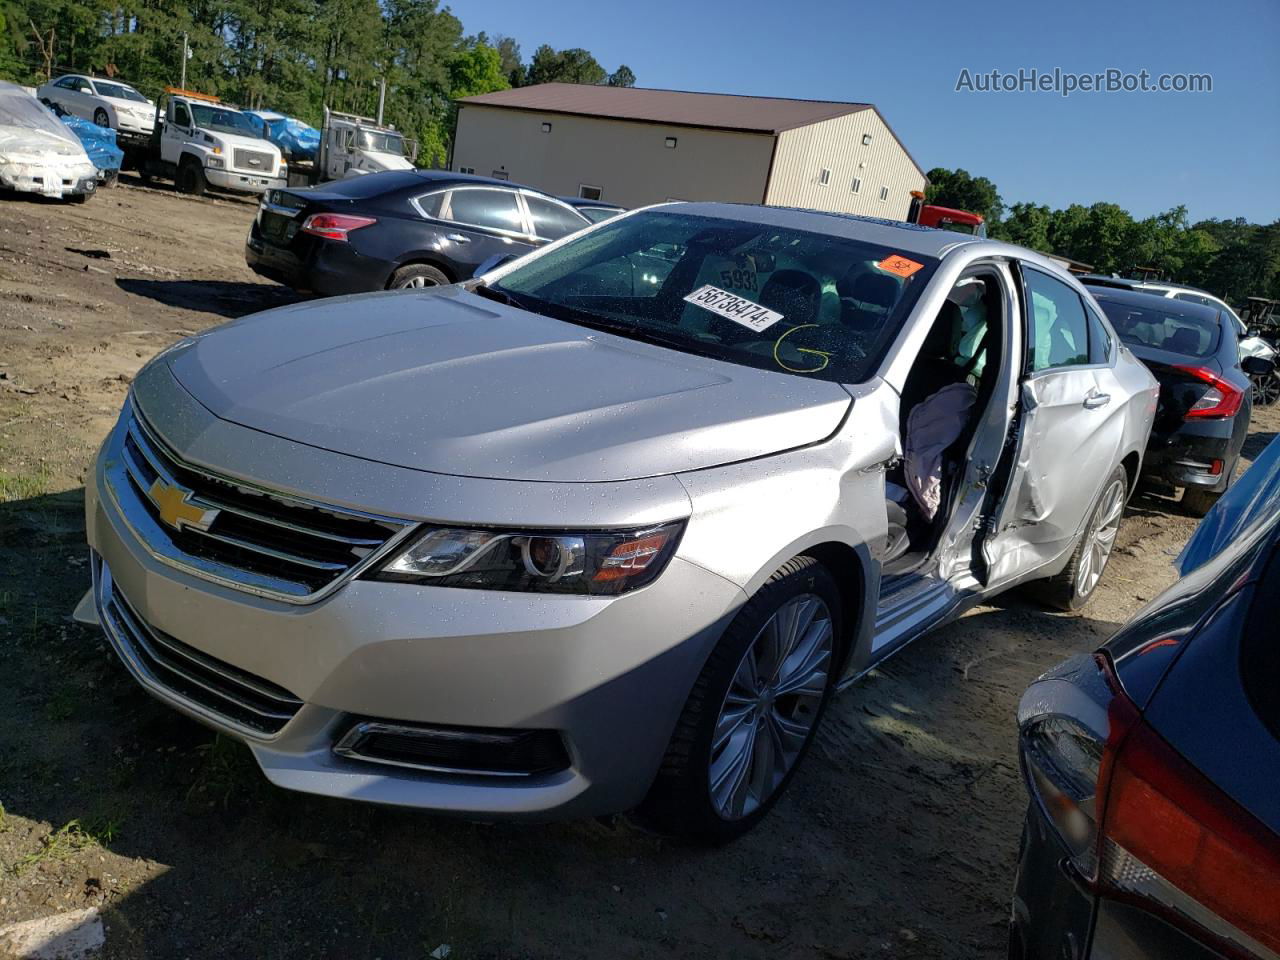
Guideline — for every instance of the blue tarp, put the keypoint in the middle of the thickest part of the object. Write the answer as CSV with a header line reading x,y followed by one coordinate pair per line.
x,y
293,136
99,142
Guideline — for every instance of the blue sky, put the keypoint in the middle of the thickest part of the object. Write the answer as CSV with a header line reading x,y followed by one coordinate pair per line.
x,y
1218,153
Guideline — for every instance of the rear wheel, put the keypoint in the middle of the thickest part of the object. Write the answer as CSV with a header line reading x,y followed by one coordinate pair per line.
x,y
753,710
100,118
416,276
1072,588
191,179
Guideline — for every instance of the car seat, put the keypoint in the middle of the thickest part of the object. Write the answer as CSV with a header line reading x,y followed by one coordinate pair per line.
x,y
1185,340
866,297
794,294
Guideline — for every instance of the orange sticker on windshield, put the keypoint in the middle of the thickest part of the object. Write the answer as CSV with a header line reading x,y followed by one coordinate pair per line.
x,y
899,265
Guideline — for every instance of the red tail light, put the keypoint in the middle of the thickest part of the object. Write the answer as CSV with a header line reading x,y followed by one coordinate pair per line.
x,y
1172,837
334,226
1220,401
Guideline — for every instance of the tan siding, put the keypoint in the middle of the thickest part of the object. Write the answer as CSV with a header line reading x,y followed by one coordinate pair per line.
x,y
837,146
627,159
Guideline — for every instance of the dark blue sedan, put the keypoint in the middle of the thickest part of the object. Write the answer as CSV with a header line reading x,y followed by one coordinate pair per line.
x,y
399,229
1154,764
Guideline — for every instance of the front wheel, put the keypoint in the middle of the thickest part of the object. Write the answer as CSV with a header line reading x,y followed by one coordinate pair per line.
x,y
191,180
1266,389
1072,588
753,710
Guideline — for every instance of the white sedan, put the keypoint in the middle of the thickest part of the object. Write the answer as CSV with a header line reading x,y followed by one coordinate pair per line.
x,y
108,103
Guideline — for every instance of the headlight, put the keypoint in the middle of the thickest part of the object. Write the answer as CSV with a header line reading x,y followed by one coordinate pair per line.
x,y
606,563
215,162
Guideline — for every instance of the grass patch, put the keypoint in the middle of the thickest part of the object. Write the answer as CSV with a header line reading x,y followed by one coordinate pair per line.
x,y
68,839
225,769
24,486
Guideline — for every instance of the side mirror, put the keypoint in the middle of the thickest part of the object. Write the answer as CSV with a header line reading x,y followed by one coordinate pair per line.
x,y
1257,366
493,263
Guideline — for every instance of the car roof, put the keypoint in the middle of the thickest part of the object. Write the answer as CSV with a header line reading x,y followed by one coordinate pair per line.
x,y
418,181
584,202
907,237
1153,301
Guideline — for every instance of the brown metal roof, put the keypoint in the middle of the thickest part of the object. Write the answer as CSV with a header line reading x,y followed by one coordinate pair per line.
x,y
723,111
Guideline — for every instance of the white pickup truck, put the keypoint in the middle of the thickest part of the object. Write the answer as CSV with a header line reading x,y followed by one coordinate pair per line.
x,y
199,142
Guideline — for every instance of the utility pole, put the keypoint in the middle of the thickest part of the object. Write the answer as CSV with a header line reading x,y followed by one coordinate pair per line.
x,y
382,98
186,52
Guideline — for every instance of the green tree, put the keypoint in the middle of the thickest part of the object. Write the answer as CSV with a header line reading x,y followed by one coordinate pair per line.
x,y
958,189
622,77
1026,225
512,65
565,66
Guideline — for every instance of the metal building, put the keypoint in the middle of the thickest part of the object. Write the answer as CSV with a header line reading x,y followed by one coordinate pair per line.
x,y
634,146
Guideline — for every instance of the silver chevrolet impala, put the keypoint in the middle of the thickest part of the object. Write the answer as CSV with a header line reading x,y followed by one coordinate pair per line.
x,y
605,528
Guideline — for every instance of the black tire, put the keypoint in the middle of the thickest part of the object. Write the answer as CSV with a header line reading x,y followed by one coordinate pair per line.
x,y
417,276
80,197
1064,590
1198,502
191,179
679,803
100,118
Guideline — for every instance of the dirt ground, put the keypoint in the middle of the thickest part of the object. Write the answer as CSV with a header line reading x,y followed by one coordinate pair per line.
x,y
898,837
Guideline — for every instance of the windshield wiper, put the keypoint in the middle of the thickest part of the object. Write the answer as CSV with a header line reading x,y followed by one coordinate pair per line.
x,y
634,331
489,293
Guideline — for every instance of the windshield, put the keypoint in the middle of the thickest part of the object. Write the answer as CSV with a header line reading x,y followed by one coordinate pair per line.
x,y
382,142
1191,336
223,120
797,302
596,214
119,91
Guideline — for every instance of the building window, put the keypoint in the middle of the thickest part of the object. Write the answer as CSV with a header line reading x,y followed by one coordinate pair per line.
x,y
546,128
670,143
884,194
501,175
588,192
866,139
856,186
466,169
824,176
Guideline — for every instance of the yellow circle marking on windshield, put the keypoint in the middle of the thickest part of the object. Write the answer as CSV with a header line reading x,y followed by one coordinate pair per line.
x,y
826,357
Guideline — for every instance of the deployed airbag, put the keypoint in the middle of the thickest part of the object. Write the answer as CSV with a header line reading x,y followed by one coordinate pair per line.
x,y
935,424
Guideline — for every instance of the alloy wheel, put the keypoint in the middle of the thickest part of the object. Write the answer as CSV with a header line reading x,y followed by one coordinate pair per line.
x,y
1266,389
771,706
1102,538
417,282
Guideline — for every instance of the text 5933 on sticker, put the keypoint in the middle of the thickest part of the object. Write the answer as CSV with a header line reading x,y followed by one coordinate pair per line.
x,y
733,307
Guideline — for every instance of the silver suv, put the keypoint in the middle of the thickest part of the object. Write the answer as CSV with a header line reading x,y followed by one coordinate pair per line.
x,y
605,528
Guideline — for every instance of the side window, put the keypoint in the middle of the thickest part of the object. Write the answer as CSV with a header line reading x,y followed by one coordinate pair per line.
x,y
1058,331
491,209
84,86
67,83
431,204
181,115
551,221
1099,338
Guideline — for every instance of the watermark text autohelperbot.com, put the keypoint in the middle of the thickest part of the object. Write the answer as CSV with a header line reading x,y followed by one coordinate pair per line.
x,y
1065,83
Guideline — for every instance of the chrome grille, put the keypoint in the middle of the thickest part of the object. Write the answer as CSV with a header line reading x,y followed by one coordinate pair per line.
x,y
230,695
253,161
228,531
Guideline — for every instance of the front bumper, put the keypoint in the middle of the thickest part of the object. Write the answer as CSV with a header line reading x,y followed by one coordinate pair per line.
x,y
242,182
50,180
610,675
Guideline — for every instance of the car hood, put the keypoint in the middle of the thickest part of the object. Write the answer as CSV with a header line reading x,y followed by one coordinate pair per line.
x,y
452,383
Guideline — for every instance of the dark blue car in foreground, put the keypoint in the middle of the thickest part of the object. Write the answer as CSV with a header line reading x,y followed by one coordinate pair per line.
x,y
1154,764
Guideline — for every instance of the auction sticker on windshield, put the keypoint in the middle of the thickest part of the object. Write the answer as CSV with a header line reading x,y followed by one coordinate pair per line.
x,y
733,307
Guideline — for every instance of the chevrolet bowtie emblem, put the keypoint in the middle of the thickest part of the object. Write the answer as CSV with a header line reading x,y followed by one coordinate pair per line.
x,y
176,508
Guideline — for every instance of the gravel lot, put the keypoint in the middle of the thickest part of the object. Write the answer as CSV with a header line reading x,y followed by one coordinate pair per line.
x,y
898,837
